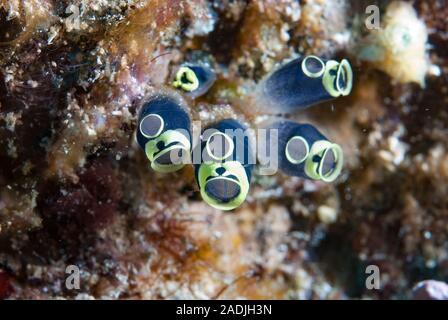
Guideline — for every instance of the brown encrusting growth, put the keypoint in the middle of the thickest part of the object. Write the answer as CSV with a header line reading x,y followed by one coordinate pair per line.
x,y
75,189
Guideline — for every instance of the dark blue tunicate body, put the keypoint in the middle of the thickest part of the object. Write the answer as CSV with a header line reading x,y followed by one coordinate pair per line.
x,y
225,170
206,79
304,82
292,89
175,117
242,155
287,130
203,76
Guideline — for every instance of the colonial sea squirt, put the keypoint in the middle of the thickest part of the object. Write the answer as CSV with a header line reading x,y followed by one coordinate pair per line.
x,y
224,171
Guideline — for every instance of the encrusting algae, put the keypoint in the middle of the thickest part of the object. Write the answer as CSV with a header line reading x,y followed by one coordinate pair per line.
x,y
399,46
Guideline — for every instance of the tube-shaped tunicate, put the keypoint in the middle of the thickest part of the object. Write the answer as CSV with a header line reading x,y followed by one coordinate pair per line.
x,y
303,82
302,151
164,133
194,79
225,171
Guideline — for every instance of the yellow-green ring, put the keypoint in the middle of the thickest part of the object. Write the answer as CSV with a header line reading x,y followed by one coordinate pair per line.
x,y
349,81
191,76
160,129
228,153
311,74
339,162
288,156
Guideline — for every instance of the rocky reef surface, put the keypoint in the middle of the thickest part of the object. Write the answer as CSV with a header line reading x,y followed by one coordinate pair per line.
x,y
76,190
